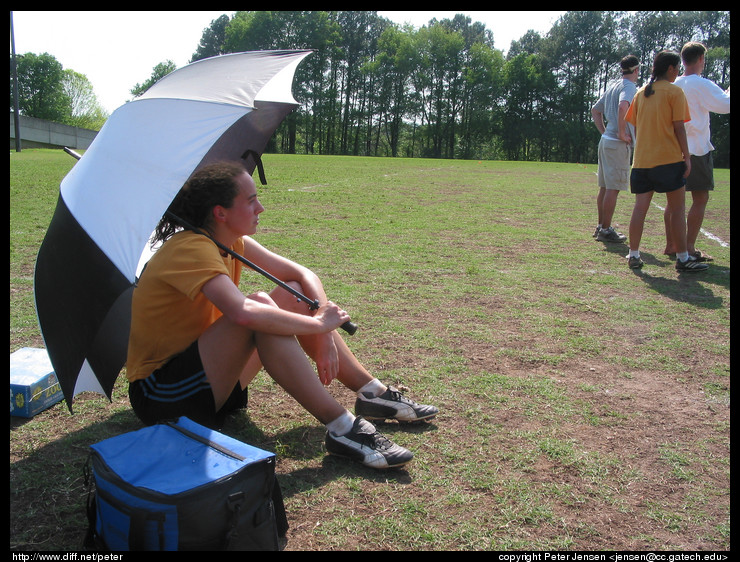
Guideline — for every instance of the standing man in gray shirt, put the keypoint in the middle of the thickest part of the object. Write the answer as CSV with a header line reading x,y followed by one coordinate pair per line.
x,y
615,146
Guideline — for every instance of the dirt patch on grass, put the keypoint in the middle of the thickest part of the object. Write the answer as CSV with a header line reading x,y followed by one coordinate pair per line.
x,y
634,461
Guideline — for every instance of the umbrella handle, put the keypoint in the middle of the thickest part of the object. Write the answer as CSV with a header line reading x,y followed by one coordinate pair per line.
x,y
348,326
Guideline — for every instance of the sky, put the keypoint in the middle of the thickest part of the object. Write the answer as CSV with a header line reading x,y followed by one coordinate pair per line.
x,y
117,50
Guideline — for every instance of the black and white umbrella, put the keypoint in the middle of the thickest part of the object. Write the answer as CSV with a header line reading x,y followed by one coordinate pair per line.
x,y
222,108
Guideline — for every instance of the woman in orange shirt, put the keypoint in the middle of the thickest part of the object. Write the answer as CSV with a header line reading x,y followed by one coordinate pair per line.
x,y
197,341
661,158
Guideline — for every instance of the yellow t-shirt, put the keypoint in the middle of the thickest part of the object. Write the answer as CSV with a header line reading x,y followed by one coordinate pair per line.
x,y
653,118
169,312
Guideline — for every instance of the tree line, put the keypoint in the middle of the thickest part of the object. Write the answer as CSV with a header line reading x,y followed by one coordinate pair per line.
x,y
375,88
48,91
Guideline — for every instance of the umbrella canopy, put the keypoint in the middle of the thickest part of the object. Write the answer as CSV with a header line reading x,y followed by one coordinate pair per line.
x,y
110,202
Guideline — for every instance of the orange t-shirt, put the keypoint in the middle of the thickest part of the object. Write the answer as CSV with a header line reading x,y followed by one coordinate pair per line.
x,y
169,312
656,143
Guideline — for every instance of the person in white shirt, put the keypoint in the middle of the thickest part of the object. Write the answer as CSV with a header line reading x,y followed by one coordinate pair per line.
x,y
703,97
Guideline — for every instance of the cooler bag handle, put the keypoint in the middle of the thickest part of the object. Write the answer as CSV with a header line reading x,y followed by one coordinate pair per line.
x,y
138,527
207,442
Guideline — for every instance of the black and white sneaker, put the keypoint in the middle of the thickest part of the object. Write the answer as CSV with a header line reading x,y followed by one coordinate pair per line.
x,y
691,265
392,405
365,444
608,234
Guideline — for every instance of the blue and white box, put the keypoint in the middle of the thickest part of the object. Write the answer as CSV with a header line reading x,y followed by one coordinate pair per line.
x,y
33,384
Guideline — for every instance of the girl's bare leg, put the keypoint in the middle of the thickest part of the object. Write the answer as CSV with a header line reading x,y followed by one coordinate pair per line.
x,y
228,354
351,372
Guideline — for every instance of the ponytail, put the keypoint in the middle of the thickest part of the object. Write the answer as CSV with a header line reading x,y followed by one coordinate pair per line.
x,y
649,88
662,61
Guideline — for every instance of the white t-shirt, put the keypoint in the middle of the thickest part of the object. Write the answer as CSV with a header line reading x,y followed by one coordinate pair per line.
x,y
703,96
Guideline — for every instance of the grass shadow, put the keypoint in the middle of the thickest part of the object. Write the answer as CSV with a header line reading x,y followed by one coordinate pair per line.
x,y
306,442
690,288
49,483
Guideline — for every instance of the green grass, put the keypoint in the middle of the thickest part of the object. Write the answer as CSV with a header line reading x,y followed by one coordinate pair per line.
x,y
585,406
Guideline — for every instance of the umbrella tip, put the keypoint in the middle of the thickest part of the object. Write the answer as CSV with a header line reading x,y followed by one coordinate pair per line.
x,y
72,153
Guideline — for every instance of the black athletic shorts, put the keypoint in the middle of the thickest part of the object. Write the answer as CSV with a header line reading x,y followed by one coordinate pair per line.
x,y
665,178
701,177
180,388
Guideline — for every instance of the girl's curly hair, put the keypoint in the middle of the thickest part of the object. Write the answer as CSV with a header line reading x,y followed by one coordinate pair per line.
x,y
214,184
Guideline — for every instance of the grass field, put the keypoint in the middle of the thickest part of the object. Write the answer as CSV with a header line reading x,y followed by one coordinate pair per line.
x,y
584,405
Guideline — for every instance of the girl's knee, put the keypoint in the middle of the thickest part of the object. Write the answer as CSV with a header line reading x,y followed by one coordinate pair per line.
x,y
263,298
288,301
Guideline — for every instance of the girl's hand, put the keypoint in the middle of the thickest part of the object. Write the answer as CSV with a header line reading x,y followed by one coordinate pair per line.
x,y
330,316
327,359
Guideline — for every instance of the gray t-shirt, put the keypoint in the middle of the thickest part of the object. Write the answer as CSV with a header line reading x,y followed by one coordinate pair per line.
x,y
608,105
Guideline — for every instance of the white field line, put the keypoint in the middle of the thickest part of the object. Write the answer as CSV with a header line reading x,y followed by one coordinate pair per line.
x,y
704,232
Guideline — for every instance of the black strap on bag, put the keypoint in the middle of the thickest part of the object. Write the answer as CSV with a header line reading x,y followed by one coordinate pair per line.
x,y
281,517
207,442
90,542
138,529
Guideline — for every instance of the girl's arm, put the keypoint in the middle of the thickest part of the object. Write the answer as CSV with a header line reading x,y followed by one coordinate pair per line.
x,y
258,313
680,132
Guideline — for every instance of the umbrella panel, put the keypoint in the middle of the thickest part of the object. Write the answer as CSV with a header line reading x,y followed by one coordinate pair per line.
x,y
74,279
86,265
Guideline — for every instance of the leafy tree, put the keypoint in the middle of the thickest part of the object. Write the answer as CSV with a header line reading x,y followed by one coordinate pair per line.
x,y
392,68
484,88
213,39
437,82
41,88
85,110
523,80
576,47
158,72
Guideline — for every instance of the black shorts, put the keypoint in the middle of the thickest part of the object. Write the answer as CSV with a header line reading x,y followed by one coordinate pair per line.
x,y
701,177
180,388
663,179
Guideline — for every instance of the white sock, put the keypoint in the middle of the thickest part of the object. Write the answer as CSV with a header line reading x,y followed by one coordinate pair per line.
x,y
374,387
683,256
342,425
634,254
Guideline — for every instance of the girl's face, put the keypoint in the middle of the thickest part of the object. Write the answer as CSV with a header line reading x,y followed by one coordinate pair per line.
x,y
672,73
242,217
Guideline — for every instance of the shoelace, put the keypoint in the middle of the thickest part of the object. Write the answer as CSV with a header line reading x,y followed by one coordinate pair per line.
x,y
375,440
398,397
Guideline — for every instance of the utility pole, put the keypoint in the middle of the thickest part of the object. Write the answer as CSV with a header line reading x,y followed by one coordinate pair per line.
x,y
16,110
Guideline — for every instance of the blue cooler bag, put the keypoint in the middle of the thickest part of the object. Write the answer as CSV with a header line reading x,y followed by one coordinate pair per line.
x,y
182,486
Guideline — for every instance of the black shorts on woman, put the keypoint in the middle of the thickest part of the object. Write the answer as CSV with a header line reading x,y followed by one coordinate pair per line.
x,y
180,388
662,179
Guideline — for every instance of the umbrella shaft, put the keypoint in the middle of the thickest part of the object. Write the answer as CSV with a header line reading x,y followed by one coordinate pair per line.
x,y
313,305
348,327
